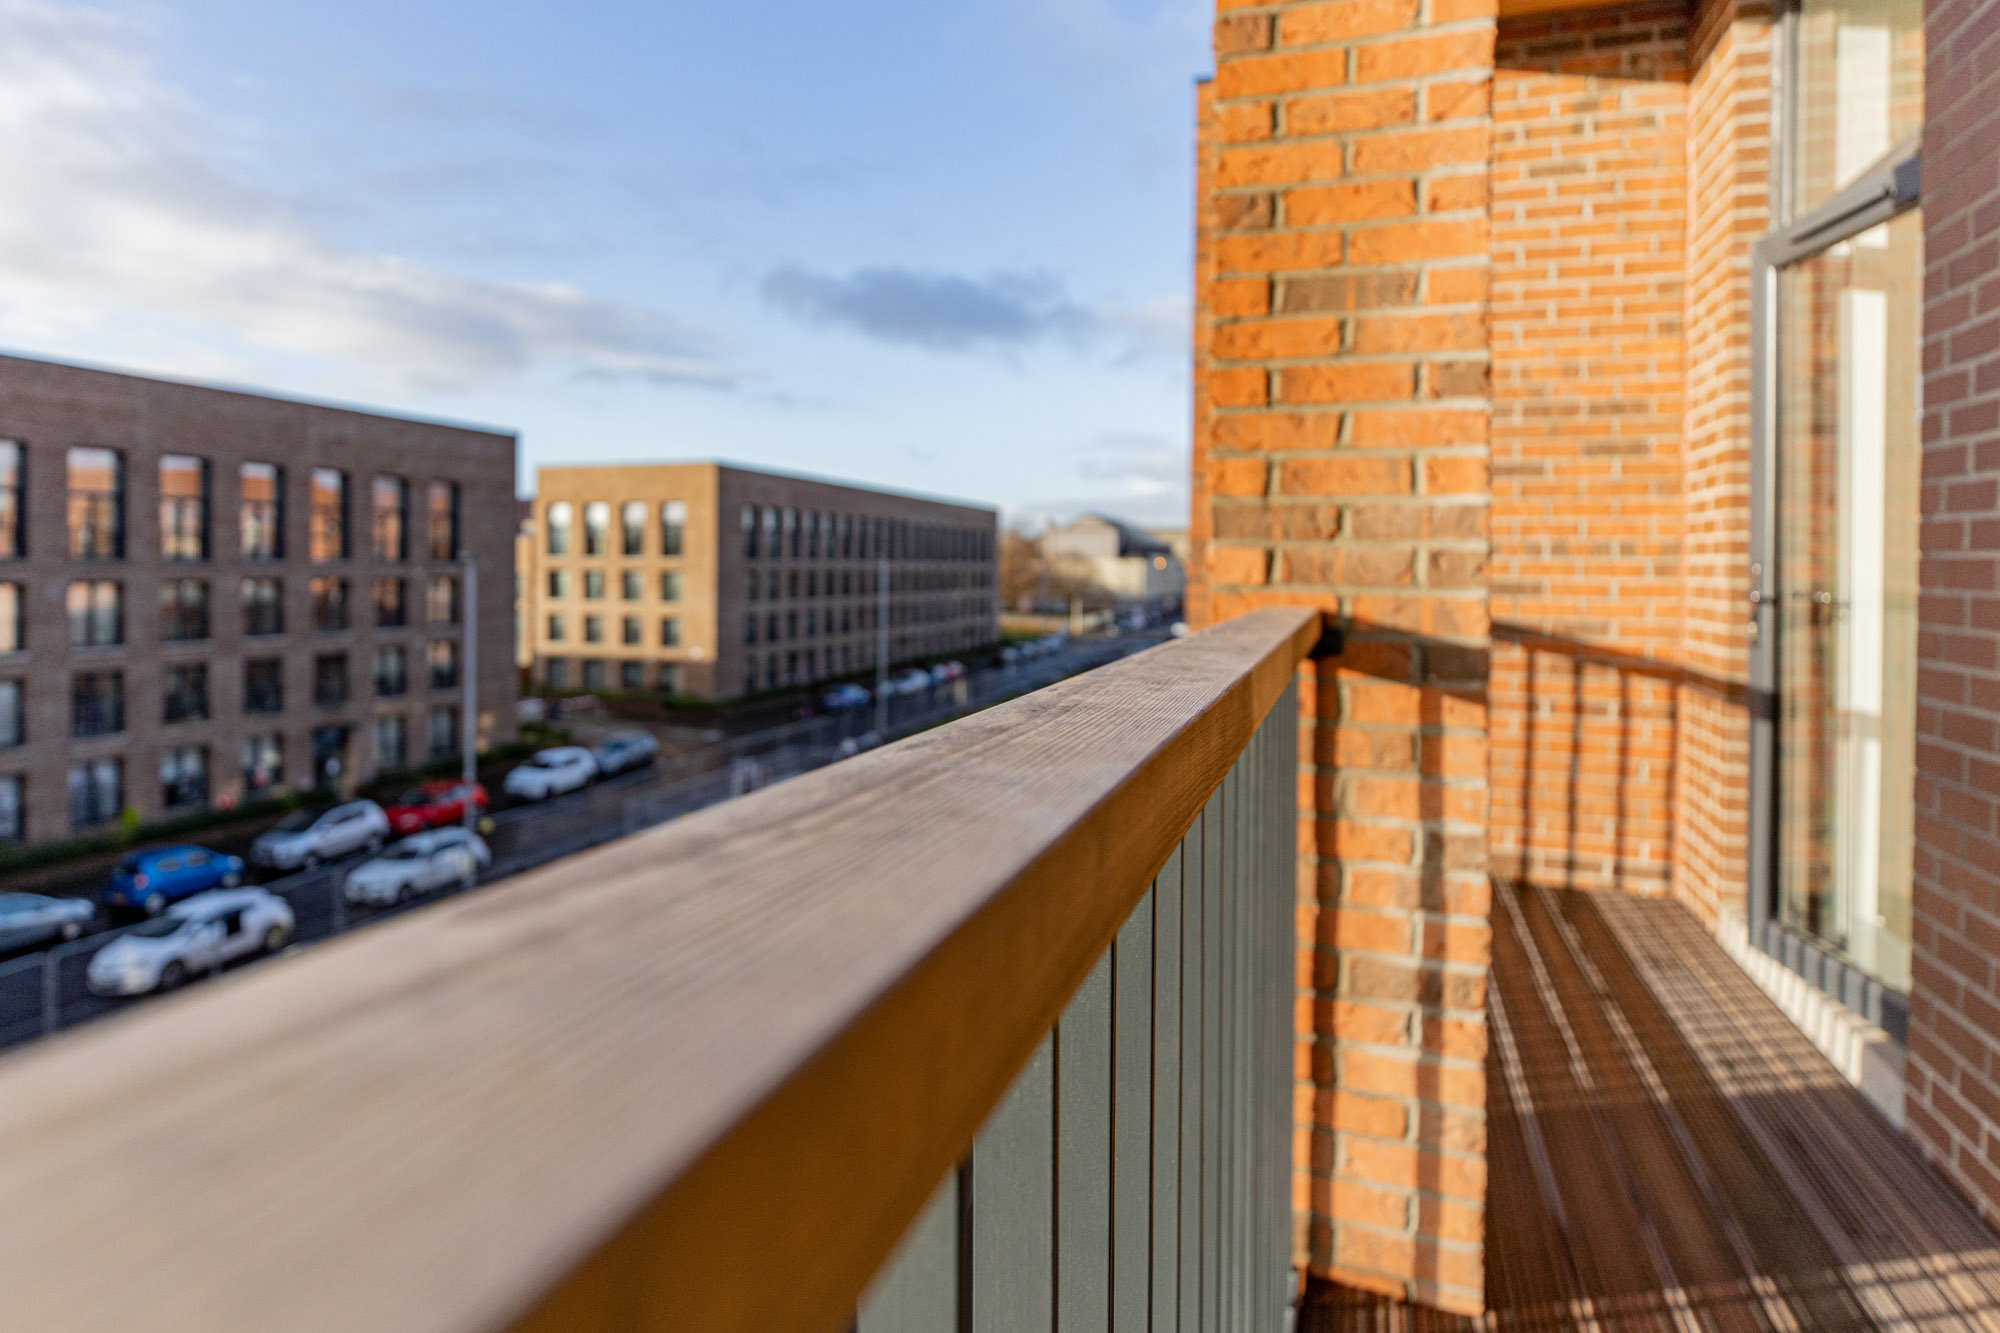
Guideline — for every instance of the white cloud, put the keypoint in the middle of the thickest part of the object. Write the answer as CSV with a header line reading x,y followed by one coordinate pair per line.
x,y
122,208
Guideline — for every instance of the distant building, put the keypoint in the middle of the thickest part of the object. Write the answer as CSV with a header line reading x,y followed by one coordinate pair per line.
x,y
716,581
1134,566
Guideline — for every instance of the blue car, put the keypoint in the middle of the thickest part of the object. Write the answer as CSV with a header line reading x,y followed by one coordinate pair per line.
x,y
148,881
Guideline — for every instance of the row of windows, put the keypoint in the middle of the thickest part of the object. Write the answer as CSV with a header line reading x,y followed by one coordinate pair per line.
x,y
770,586
97,501
631,585
632,521
594,674
632,631
97,609
804,534
850,620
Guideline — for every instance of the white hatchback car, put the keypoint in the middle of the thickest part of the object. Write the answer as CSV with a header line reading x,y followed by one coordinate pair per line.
x,y
195,936
552,772
421,863
304,838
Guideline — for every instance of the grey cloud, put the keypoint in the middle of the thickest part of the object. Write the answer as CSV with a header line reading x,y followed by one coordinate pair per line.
x,y
938,311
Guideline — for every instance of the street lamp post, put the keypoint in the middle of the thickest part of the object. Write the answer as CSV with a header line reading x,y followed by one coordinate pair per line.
x,y
469,705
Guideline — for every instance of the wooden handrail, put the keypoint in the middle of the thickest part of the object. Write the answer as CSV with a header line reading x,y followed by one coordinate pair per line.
x,y
701,1078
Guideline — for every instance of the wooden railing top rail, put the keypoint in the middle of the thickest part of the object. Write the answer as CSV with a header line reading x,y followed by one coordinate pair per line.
x,y
697,1079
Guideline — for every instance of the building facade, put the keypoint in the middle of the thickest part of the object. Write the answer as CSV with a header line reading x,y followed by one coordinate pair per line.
x,y
209,597
1627,378
1131,564
715,582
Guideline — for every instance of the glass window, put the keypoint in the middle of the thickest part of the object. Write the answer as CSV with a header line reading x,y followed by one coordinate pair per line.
x,y
12,723
263,607
183,507
633,633
96,613
593,629
751,583
444,733
670,586
329,514
1857,90
631,675
13,825
264,685
263,764
329,598
750,531
262,510
392,671
330,680
593,584
596,528
556,628
632,585
811,524
444,519
392,603
97,704
673,527
184,692
96,504
561,518
770,543
390,743
184,610
559,583
750,629
444,607
670,678
12,496
670,632
444,664
184,777
557,673
632,520
791,540
391,526
96,792
593,674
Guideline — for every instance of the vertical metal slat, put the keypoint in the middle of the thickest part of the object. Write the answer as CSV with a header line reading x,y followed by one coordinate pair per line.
x,y
917,1291
1013,1205
1132,1118
1083,1156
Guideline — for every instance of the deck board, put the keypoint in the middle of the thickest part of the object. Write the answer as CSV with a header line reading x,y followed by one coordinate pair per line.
x,y
1666,1151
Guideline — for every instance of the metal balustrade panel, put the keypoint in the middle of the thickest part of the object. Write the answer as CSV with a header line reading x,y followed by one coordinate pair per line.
x,y
1013,1206
1193,991
1083,1055
918,1289
1214,888
1168,914
1132,1119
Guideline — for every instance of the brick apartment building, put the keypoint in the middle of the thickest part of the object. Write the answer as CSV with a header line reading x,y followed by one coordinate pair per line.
x,y
207,597
1627,377
715,581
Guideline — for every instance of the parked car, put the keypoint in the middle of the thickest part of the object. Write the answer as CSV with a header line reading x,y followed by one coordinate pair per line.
x,y
195,936
433,805
29,919
623,750
1010,656
552,772
939,676
843,697
148,881
422,863
308,836
954,670
913,681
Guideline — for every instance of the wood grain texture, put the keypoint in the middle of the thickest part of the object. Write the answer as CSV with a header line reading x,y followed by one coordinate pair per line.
x,y
700,1079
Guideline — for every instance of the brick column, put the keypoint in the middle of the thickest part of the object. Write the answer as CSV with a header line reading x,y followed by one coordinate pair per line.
x,y
1342,453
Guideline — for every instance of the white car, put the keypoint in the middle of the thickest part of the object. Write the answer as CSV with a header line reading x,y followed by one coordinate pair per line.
x,y
552,772
625,749
913,681
195,936
421,863
306,837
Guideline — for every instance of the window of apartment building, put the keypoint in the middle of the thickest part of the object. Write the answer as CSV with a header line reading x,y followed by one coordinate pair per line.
x,y
593,674
392,671
593,585
184,777
749,629
810,522
13,820
669,679
391,742
673,528
444,664
596,528
13,730
557,628
751,584
183,507
96,613
330,680
561,519
96,792
631,676
444,740
750,531
556,673
329,537
96,504
593,629
792,584
670,586
390,509
632,527
329,599
633,634
13,496
750,676
264,685
263,764
263,607
444,520
670,632
790,544
392,603
261,513
444,607
184,692
184,610
771,586
772,550
632,585
771,627
812,584
791,624
812,624
559,583
96,704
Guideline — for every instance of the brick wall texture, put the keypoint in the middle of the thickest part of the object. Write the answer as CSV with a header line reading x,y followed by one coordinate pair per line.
x,y
1953,1071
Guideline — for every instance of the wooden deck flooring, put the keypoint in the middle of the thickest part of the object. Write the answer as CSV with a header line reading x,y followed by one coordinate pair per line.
x,y
1667,1151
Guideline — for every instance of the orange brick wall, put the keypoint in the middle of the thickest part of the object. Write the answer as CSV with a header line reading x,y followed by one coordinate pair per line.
x,y
1342,450
1589,226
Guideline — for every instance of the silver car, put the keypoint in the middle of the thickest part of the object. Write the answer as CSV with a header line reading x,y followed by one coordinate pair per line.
x,y
419,864
304,838
194,937
29,919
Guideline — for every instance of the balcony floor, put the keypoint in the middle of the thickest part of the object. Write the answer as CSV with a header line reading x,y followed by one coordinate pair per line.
x,y
1667,1151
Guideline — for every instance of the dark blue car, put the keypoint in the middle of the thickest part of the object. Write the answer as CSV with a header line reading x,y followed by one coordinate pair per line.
x,y
148,881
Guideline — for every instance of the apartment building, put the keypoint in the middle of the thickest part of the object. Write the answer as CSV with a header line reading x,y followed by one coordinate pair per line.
x,y
1139,568
207,597
716,581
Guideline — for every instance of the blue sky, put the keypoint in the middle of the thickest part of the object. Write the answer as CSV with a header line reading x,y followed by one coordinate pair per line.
x,y
940,246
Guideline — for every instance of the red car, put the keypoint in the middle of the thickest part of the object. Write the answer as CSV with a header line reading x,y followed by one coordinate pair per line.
x,y
433,805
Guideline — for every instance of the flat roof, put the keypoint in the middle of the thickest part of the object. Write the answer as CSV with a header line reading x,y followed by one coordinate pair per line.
x,y
812,477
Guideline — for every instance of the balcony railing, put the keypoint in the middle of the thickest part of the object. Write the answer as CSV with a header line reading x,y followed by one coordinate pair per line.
x,y
1024,981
